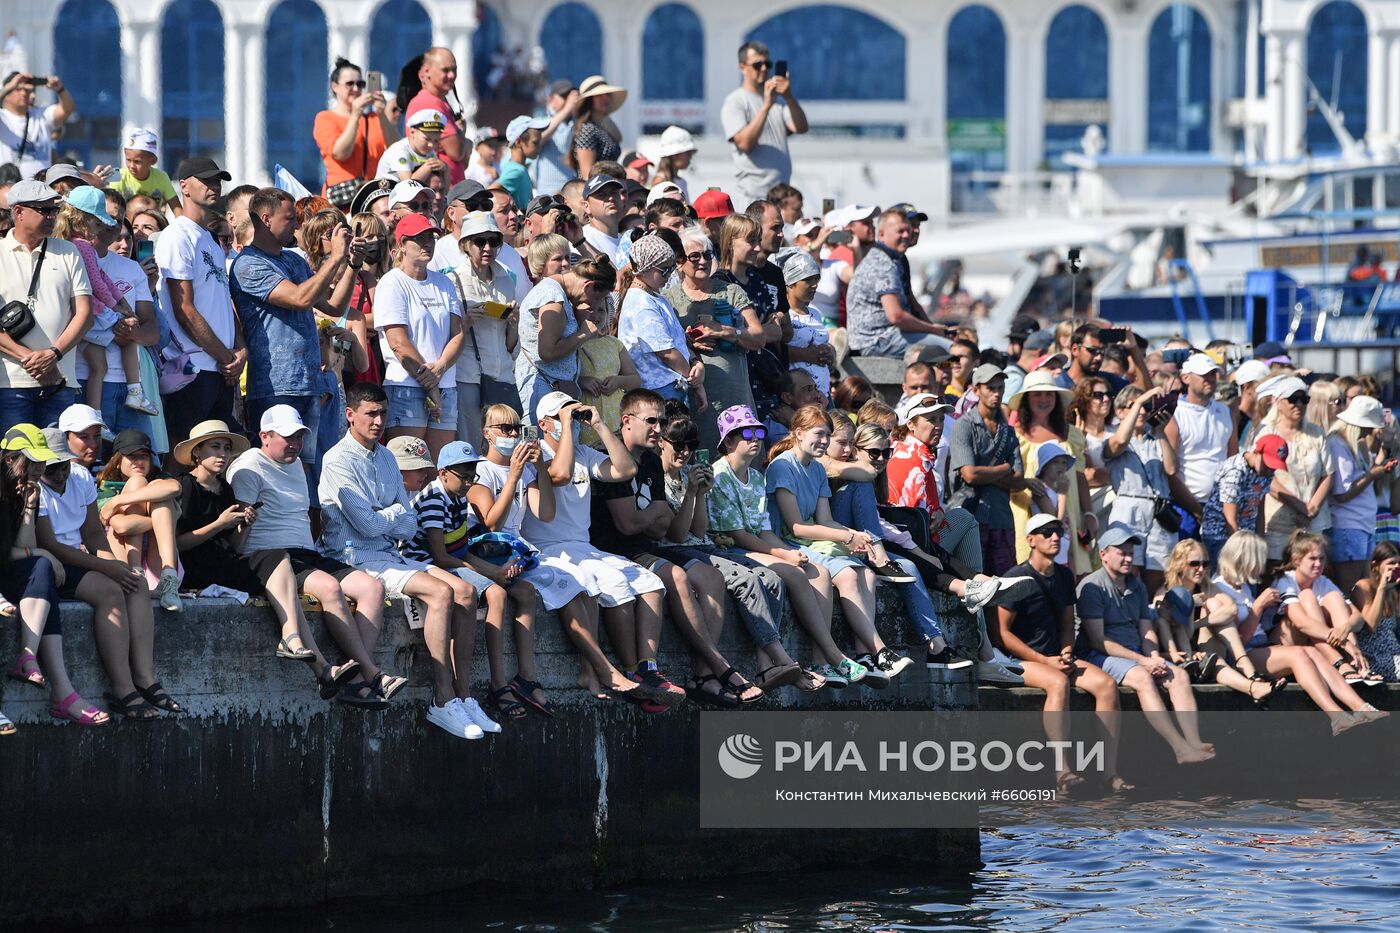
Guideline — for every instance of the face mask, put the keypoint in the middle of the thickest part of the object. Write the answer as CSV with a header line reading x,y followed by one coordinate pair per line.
x,y
558,432
506,445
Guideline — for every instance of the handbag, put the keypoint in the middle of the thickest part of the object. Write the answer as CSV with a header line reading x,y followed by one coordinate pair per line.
x,y
17,317
1166,515
177,369
343,193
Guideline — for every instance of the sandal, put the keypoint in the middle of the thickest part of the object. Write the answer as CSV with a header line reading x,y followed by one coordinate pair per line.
x,y
1343,665
1119,786
287,653
26,670
640,698
132,706
810,681
88,716
779,675
386,685
1372,679
332,679
1067,782
524,690
743,686
503,701
707,699
1262,702
362,696
156,696
6,726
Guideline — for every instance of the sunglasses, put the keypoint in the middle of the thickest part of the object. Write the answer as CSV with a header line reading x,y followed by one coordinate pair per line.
x,y
877,453
509,430
650,421
1100,396
761,65
481,242
684,447
353,83
1198,563
696,258
50,211
1049,531
340,345
960,357
54,469
753,434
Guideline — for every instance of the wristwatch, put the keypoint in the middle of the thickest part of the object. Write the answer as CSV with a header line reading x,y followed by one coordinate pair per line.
x,y
58,354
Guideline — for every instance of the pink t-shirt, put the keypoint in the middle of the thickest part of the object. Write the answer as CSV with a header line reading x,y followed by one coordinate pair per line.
x,y
427,100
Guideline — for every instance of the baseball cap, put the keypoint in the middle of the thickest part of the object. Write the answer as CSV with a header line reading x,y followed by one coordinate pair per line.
x,y
636,160
855,212
412,225
986,373
806,226
798,266
58,443
457,453
1043,520
31,191
283,420
77,418
410,453
1274,449
1199,364
61,170
142,140
1362,412
30,441
201,167
927,404
1271,351
427,121
598,182
665,189
1037,340
478,222
734,418
713,204
561,87
520,125
464,190
1118,535
485,134
929,353
911,213
543,204
405,191
91,201
552,404
131,441
1250,371
1050,359
1023,326
1285,387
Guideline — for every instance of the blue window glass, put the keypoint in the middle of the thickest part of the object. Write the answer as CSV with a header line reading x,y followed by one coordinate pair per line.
x,y
976,102
572,39
296,53
836,53
401,30
1337,52
1076,68
88,56
673,54
1178,81
192,80
487,43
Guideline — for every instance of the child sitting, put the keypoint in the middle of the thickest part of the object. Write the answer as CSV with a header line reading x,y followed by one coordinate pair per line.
x,y
139,176
1055,464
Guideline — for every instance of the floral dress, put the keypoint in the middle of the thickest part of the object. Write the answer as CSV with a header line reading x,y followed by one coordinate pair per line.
x,y
1381,648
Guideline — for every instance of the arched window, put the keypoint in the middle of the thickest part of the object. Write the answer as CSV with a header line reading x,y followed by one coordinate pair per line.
x,y
976,102
673,54
487,43
1178,81
192,80
572,39
296,53
1337,52
401,30
88,56
835,53
1076,79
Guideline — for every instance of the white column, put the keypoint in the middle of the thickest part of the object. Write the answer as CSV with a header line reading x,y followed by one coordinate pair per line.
x,y
254,131
1274,68
1377,92
1222,64
925,83
141,76
1251,83
1127,89
622,66
1294,99
348,41
233,102
1025,97
722,41
1393,72
460,43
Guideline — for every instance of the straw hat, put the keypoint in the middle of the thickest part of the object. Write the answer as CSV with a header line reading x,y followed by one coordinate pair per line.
x,y
597,86
208,431
1038,381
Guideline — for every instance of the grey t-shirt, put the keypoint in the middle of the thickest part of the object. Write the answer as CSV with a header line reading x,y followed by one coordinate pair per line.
x,y
768,162
974,444
284,521
1120,609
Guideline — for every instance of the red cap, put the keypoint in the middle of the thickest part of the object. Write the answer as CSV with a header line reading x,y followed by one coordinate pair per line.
x,y
1274,451
713,204
639,161
412,225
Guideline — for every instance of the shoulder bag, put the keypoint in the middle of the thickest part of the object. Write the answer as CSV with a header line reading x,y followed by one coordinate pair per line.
x,y
17,317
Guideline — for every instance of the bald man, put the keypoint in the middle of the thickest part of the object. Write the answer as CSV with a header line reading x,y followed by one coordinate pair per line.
x,y
438,73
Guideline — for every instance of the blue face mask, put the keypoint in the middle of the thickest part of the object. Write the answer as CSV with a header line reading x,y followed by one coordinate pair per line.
x,y
558,432
506,445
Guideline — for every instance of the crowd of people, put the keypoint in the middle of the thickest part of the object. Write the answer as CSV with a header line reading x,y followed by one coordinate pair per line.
x,y
529,369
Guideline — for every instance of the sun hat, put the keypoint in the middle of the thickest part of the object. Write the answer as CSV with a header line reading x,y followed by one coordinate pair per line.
x,y
457,453
674,140
142,140
713,203
1274,449
412,225
282,419
208,431
131,441
91,201
597,85
521,125
734,418
1038,381
30,441
986,373
798,266
1362,412
926,404
477,223
1049,452
410,453
78,417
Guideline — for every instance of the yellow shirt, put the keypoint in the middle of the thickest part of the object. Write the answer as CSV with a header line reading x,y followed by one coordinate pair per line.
x,y
156,185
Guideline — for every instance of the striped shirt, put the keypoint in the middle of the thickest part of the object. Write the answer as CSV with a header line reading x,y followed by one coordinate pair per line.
x,y
436,509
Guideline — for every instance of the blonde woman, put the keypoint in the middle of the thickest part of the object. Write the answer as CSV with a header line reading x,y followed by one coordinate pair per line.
x,y
1358,469
1298,498
1325,402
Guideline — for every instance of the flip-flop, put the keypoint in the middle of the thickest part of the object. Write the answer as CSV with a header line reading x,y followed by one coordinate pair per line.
x,y
779,675
6,726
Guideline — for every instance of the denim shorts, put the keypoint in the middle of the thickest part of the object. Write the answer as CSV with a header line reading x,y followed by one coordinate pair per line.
x,y
408,408
1349,544
834,563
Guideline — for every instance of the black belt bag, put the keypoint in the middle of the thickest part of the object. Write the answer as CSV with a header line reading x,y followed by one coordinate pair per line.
x,y
17,317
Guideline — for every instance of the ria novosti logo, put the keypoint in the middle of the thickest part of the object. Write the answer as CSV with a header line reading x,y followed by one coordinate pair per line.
x,y
740,756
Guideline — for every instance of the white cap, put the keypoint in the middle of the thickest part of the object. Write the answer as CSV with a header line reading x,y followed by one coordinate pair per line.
x,y
854,212
78,418
1199,364
1281,387
1038,522
552,404
835,219
404,192
283,420
143,140
806,226
429,121
927,404
1250,371
666,189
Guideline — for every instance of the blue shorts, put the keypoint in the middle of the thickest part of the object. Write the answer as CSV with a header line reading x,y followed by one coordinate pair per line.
x,y
834,564
1117,668
408,408
1349,544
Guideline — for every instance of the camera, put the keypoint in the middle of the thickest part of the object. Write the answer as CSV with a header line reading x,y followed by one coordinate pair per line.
x,y
1075,265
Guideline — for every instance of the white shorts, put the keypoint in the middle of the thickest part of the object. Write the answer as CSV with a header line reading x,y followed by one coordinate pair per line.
x,y
614,580
394,574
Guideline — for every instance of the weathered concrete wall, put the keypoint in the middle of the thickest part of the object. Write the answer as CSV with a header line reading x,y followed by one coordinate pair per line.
x,y
265,795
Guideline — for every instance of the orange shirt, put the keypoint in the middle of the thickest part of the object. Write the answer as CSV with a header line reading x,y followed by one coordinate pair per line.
x,y
329,125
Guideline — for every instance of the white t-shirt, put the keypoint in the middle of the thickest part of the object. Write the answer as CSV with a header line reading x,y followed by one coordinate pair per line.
x,y
493,477
827,300
572,502
284,521
609,246
426,308
38,152
1205,443
132,285
186,251
398,158
68,512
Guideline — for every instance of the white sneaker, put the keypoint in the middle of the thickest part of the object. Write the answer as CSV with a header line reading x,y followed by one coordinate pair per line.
x,y
995,591
475,714
136,399
168,591
990,672
449,719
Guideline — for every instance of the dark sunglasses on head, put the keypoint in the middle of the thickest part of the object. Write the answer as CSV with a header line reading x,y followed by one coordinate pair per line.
x,y
877,453
507,429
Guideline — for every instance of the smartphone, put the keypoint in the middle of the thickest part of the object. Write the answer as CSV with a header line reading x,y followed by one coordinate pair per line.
x,y
146,249
257,505
695,332
359,230
702,457
374,82
530,434
1395,574
1113,334
780,69
828,205
1177,356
